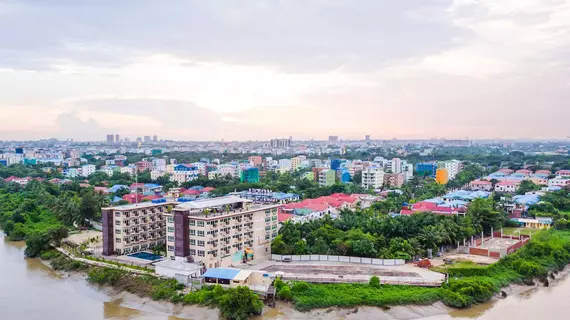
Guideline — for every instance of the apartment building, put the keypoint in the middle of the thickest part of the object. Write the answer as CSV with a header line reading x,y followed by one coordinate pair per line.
x,y
394,180
326,177
134,227
372,178
88,170
441,176
453,167
221,232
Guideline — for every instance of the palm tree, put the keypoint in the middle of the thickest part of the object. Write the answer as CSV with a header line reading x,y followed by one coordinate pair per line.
x,y
430,237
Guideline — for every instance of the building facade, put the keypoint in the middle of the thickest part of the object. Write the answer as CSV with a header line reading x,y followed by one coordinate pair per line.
x,y
221,232
394,180
372,178
326,177
441,176
134,227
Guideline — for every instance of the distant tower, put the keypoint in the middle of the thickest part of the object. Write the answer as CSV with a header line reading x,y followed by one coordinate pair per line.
x,y
110,139
367,137
117,138
155,138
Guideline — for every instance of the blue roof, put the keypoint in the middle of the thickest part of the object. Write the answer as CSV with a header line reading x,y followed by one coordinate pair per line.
x,y
526,199
117,187
221,273
152,185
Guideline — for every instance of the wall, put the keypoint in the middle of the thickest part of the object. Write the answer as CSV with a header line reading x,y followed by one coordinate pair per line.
x,y
320,257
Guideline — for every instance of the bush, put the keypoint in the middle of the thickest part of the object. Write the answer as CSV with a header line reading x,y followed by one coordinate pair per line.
x,y
239,304
374,282
278,284
48,255
285,293
454,299
300,286
105,276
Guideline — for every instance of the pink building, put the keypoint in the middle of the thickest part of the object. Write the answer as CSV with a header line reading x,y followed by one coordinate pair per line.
x,y
507,186
480,185
563,173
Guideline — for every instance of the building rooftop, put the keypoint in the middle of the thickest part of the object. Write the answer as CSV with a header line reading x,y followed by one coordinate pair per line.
x,y
213,202
221,273
141,205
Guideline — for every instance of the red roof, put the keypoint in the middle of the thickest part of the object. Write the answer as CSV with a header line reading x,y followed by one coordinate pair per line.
x,y
543,172
208,189
506,170
281,217
563,172
481,182
11,178
137,185
507,183
191,192
132,197
524,171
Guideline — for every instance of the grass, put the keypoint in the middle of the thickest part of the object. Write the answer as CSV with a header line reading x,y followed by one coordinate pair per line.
x,y
469,283
457,264
349,295
524,231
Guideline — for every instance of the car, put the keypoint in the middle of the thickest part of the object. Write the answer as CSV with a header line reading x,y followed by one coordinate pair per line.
x,y
287,259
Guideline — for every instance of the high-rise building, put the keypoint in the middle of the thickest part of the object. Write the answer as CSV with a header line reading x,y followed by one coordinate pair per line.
x,y
367,137
396,165
117,139
146,139
281,143
221,232
333,139
453,167
134,227
326,177
155,138
110,139
250,175
372,178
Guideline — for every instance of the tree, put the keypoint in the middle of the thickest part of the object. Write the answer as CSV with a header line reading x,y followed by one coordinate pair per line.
x,y
526,186
374,282
430,237
90,207
357,178
484,216
240,303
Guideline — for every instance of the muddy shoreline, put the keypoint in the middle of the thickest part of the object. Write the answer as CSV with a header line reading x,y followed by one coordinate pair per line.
x,y
286,310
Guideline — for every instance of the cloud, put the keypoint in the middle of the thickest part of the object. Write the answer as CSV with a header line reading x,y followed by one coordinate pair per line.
x,y
72,126
295,35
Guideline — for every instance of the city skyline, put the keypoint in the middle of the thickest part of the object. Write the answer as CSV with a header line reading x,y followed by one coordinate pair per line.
x,y
413,70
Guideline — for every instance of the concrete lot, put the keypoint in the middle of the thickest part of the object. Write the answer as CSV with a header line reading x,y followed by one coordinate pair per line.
x,y
79,238
349,272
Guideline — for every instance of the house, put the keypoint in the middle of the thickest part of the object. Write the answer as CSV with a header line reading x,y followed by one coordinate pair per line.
x,y
480,185
540,223
563,173
438,207
509,186
559,181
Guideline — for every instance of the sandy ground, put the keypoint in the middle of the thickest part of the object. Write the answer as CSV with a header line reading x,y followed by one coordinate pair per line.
x,y
468,257
79,238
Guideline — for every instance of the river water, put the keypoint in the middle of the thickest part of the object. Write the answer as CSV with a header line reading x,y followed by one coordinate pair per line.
x,y
29,290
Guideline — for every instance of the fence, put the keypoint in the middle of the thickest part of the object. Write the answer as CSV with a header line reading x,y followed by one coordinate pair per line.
x,y
363,279
320,257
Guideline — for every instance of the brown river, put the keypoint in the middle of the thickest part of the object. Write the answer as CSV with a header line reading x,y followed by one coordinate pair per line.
x,y
31,291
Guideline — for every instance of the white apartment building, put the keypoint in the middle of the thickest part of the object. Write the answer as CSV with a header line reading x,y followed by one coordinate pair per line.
x,y
183,176
453,167
285,164
408,171
372,178
134,227
72,172
221,232
159,164
131,170
88,170
226,169
107,170
155,174
201,166
396,165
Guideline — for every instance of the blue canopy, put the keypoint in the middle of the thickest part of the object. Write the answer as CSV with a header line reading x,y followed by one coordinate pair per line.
x,y
221,273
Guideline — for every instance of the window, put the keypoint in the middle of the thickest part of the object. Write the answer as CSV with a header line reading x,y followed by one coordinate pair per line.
x,y
267,211
274,218
118,231
274,227
267,228
192,252
200,243
170,219
170,229
170,239
200,233
201,253
267,219
267,236
170,248
192,222
200,223
192,242
118,240
192,232
117,223
274,210
117,214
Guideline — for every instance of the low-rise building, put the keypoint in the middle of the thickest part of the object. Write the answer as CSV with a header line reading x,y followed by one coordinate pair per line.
x,y
441,176
327,177
559,181
480,185
88,169
507,186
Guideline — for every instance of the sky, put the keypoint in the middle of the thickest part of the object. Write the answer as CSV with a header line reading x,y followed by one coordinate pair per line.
x,y
262,69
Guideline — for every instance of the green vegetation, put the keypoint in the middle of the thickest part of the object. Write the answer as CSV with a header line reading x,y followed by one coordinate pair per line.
x,y
314,296
235,304
368,233
468,284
